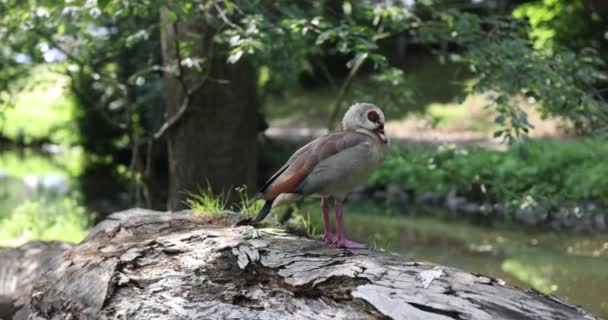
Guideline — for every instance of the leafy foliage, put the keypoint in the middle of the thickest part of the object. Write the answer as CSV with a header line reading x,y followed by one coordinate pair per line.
x,y
552,171
558,22
505,63
100,39
110,50
43,111
44,220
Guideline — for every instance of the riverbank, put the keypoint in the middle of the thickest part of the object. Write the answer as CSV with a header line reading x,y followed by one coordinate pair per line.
x,y
576,217
560,184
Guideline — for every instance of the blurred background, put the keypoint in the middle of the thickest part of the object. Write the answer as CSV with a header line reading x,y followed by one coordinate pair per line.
x,y
496,113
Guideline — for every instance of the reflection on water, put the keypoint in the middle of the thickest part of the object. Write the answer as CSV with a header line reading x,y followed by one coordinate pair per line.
x,y
574,267
39,197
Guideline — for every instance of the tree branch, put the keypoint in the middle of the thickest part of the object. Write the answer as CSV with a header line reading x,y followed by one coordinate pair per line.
x,y
180,112
169,123
227,21
342,93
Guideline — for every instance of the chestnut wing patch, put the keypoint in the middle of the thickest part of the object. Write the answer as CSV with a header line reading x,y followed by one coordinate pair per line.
x,y
292,175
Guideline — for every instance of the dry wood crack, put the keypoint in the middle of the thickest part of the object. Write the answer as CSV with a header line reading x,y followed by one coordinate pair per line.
x,y
142,264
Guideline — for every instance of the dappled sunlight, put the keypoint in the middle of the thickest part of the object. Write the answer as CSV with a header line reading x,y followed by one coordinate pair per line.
x,y
302,114
470,121
43,112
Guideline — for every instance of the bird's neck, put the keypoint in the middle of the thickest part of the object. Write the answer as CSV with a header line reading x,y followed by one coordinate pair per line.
x,y
365,131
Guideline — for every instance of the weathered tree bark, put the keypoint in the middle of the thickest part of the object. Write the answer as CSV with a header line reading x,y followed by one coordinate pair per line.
x,y
19,267
214,140
141,264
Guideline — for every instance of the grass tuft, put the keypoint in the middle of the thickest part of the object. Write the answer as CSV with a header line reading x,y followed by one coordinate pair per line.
x,y
246,204
206,202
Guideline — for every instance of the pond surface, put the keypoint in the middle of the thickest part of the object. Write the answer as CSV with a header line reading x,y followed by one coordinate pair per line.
x,y
41,198
571,266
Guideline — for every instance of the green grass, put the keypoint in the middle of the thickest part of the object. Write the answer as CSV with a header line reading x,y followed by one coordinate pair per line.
x,y
214,204
246,205
302,216
206,202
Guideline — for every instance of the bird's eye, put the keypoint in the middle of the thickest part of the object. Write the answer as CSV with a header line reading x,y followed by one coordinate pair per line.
x,y
373,116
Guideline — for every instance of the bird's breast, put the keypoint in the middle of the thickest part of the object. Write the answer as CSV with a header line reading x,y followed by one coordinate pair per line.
x,y
345,171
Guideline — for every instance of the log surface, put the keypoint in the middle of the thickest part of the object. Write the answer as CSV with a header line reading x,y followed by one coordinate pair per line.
x,y
19,268
142,264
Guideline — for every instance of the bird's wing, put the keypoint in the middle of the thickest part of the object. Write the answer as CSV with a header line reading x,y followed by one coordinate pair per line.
x,y
290,177
291,159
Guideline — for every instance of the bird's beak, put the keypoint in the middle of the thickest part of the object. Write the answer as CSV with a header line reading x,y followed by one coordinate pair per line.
x,y
380,134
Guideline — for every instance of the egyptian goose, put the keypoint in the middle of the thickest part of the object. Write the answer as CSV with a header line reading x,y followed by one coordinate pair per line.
x,y
331,166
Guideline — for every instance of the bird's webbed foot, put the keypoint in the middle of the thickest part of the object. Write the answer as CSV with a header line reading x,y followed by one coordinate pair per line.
x,y
328,237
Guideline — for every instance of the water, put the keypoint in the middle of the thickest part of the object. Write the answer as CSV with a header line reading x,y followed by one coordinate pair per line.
x,y
571,266
40,198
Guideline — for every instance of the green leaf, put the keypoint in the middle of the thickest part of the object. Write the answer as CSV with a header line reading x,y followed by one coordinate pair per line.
x,y
229,6
172,16
325,36
500,119
235,56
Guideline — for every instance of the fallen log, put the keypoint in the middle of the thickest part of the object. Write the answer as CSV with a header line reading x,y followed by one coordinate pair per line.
x,y
142,264
19,268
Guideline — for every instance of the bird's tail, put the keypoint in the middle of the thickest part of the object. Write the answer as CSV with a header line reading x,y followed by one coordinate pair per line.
x,y
263,213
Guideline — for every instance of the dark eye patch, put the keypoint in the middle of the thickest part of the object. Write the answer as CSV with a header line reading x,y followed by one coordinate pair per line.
x,y
373,116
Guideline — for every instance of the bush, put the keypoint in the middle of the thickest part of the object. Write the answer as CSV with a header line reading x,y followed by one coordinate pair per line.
x,y
544,170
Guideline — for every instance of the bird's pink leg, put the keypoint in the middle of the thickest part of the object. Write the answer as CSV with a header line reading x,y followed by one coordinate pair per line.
x,y
327,236
341,241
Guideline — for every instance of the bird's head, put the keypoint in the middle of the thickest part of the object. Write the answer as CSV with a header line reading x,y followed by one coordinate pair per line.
x,y
365,117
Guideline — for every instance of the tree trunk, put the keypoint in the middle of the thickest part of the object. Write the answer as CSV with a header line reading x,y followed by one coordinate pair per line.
x,y
598,6
142,264
214,142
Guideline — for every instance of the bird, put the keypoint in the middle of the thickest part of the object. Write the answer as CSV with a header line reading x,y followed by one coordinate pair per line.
x,y
331,166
